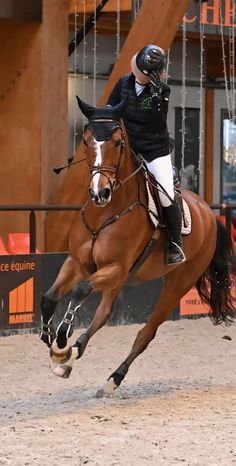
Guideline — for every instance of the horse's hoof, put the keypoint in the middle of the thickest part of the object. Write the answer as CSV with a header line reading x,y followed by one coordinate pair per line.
x,y
107,390
110,386
100,393
62,370
46,339
59,356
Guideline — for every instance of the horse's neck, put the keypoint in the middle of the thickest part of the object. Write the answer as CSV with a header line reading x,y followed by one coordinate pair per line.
x,y
130,162
127,176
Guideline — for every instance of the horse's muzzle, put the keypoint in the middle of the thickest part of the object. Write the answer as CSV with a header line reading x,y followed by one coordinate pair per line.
x,y
101,198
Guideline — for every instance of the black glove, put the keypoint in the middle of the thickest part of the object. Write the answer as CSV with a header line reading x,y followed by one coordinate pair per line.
x,y
154,83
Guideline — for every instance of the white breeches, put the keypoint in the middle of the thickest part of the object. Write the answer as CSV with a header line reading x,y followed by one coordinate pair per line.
x,y
162,170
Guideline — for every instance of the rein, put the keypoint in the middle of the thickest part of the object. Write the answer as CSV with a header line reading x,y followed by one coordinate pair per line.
x,y
106,168
115,184
122,182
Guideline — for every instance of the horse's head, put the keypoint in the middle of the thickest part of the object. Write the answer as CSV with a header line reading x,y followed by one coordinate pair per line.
x,y
103,140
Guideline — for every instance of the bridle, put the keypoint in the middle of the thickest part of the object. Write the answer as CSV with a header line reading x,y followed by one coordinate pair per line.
x,y
115,182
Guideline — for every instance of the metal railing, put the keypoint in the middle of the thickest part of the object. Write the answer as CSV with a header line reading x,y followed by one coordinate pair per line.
x,y
32,208
225,209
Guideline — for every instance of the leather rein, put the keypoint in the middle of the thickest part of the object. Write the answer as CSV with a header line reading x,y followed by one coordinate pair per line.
x,y
115,184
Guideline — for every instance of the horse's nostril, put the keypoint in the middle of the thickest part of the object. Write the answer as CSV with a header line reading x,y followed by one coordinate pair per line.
x,y
92,193
104,193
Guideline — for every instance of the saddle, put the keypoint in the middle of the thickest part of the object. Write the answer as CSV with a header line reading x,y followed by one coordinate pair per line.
x,y
154,206
155,211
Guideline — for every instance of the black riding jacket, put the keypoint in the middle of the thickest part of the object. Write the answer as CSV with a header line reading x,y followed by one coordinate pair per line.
x,y
145,118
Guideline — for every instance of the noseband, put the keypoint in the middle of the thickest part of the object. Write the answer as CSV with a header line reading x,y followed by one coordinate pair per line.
x,y
102,129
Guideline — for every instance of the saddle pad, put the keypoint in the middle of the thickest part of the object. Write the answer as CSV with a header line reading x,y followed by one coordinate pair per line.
x,y
153,214
187,224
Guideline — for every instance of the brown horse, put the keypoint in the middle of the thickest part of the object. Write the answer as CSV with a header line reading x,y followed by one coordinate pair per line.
x,y
109,235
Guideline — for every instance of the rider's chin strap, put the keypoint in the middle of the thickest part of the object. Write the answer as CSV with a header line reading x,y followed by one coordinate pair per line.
x,y
57,170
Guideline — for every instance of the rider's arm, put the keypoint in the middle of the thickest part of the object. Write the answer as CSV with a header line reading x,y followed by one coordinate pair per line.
x,y
160,105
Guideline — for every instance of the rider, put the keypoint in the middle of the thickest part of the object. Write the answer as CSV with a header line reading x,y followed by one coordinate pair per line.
x,y
145,121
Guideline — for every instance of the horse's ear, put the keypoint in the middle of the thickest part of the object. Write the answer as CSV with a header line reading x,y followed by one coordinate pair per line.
x,y
119,109
115,112
86,109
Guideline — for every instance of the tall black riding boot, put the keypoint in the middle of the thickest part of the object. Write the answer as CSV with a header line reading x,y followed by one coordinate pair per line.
x,y
174,253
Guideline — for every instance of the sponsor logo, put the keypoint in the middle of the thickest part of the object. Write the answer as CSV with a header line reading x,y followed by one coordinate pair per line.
x,y
192,304
21,303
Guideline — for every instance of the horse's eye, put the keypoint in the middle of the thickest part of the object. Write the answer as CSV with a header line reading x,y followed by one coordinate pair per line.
x,y
118,142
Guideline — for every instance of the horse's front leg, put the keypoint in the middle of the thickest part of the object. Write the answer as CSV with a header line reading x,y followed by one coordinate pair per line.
x,y
48,306
109,281
63,283
61,350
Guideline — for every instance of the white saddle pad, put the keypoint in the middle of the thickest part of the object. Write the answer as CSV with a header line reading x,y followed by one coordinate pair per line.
x,y
186,222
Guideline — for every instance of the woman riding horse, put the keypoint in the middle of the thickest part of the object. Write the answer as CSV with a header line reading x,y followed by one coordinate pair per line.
x,y
109,235
145,121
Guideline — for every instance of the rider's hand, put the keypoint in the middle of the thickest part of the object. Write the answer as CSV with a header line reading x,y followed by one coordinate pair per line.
x,y
154,83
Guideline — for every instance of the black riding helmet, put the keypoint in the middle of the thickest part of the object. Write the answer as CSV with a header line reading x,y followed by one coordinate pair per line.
x,y
151,58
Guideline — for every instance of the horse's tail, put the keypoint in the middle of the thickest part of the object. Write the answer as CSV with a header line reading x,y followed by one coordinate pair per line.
x,y
216,285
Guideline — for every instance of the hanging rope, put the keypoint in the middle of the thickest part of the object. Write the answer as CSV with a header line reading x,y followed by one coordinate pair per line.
x,y
117,53
84,56
168,62
201,123
184,93
224,63
84,39
75,121
136,5
232,62
95,55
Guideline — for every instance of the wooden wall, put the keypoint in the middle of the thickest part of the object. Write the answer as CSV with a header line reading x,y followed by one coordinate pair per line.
x,y
33,111
20,119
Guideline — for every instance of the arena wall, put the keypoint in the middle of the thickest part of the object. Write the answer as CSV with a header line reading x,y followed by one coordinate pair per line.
x,y
25,278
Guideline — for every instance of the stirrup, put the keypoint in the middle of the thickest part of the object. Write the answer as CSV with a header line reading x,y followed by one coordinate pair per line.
x,y
174,254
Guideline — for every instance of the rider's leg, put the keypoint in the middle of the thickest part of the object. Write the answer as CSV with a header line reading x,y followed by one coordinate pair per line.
x,y
174,253
162,170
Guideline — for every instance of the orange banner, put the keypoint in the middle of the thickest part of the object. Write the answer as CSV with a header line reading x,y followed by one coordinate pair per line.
x,y
191,304
21,301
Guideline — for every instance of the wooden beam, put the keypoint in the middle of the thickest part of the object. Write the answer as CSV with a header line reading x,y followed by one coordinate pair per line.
x,y
77,6
209,145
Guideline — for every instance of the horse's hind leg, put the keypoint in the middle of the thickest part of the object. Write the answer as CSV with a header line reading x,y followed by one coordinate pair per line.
x,y
173,290
102,313
63,283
